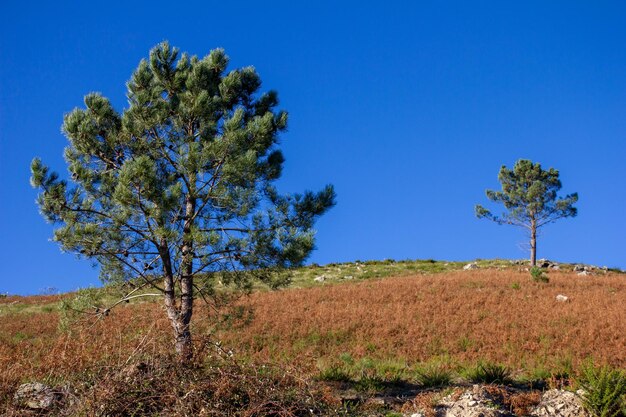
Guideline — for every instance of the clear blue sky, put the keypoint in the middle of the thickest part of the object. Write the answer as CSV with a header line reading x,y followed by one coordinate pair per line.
x,y
408,108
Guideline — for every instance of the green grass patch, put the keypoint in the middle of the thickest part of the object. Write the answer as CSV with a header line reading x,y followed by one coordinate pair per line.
x,y
434,375
488,373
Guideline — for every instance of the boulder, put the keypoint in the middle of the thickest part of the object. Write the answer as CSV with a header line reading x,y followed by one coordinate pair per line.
x,y
37,396
320,278
562,298
584,273
471,265
559,403
578,268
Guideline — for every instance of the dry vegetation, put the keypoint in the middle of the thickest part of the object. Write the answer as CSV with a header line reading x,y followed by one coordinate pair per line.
x,y
462,315
381,329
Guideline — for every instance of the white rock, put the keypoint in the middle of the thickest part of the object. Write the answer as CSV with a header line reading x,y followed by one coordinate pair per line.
x,y
472,265
474,402
562,298
321,278
583,273
559,403
35,395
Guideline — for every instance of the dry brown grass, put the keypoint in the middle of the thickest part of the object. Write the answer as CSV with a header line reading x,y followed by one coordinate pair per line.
x,y
459,317
466,315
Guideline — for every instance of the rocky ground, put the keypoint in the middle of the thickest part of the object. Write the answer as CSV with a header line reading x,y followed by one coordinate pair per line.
x,y
476,401
481,401
472,401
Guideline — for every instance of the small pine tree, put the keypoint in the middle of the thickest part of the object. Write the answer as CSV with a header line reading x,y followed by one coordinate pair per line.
x,y
529,195
180,183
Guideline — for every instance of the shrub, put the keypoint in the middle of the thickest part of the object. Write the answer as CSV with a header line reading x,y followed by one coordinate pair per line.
x,y
605,390
538,275
489,373
434,375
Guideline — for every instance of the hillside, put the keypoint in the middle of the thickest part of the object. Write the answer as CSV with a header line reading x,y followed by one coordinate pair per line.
x,y
363,327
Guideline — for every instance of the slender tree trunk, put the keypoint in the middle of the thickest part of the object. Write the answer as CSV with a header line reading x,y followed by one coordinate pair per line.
x,y
533,243
184,346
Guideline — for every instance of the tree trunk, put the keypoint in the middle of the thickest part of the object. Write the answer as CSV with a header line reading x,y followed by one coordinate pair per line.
x,y
533,244
184,347
180,321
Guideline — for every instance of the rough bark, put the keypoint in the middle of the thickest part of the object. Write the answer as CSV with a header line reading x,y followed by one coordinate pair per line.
x,y
179,317
184,347
533,243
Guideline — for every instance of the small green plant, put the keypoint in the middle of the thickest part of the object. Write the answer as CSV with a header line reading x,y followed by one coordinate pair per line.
x,y
334,373
347,358
605,390
434,375
516,286
19,337
538,275
489,373
465,343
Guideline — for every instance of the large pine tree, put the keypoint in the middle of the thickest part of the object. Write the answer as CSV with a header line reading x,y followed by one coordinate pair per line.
x,y
179,184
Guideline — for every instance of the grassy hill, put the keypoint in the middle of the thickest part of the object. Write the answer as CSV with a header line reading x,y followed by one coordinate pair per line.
x,y
362,327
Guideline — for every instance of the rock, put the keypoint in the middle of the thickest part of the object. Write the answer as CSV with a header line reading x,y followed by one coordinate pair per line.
x,y
36,395
562,298
544,263
348,277
559,403
578,268
583,273
418,414
321,278
555,267
475,402
471,265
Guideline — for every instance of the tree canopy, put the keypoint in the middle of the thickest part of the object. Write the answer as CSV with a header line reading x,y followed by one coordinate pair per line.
x,y
180,183
529,195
